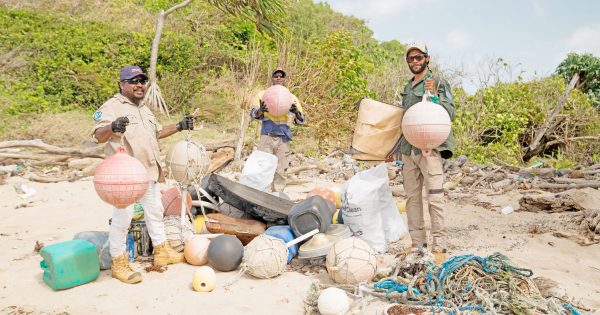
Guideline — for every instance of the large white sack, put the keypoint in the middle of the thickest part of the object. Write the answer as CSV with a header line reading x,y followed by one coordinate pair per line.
x,y
259,170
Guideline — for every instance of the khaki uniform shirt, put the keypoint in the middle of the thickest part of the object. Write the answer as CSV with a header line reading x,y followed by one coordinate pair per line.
x,y
141,137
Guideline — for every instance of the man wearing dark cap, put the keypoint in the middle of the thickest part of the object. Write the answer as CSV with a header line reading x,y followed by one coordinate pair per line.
x,y
419,170
275,133
124,120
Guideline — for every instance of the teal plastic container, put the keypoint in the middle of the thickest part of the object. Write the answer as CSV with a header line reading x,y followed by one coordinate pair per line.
x,y
68,264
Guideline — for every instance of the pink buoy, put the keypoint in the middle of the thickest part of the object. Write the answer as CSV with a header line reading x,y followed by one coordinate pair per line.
x,y
426,125
121,180
195,250
278,100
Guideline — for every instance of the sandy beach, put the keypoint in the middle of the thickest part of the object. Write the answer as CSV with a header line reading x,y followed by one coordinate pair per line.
x,y
58,211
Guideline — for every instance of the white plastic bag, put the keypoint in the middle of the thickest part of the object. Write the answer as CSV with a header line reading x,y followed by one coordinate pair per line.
x,y
259,170
394,226
370,211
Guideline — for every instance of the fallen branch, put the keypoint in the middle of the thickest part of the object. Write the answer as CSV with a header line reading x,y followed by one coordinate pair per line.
x,y
506,165
39,144
590,172
297,181
214,146
570,180
45,179
306,167
592,184
488,175
553,142
18,156
536,145
220,159
593,167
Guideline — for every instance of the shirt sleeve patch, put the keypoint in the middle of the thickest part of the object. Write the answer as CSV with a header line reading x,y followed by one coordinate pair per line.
x,y
97,115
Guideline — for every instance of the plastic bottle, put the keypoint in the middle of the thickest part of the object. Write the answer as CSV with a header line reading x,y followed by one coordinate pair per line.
x,y
507,210
130,248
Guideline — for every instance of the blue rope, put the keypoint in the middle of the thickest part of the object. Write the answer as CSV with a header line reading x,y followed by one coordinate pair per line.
x,y
391,285
571,309
473,307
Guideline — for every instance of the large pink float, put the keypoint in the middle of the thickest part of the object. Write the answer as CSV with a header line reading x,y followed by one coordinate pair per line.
x,y
426,125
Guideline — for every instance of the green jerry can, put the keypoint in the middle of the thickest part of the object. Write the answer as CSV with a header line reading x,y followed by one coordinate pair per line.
x,y
68,264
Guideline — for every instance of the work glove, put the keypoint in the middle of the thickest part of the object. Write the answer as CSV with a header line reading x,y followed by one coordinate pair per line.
x,y
120,124
294,109
187,123
261,110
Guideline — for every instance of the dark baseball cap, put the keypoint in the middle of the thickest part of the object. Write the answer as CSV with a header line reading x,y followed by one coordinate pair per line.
x,y
280,71
130,72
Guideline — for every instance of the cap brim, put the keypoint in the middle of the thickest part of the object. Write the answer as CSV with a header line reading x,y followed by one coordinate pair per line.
x,y
136,75
281,71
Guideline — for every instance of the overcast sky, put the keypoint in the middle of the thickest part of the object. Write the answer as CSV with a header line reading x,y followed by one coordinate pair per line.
x,y
531,35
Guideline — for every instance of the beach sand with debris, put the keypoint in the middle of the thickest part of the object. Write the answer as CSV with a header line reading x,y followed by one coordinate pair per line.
x,y
57,211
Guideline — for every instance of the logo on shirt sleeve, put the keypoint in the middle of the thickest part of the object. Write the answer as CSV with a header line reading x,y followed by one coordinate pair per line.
x,y
97,115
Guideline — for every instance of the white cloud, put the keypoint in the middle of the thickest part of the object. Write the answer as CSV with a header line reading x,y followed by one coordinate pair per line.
x,y
585,40
458,40
538,10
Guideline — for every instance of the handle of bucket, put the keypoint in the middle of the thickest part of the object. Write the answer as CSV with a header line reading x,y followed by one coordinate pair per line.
x,y
301,238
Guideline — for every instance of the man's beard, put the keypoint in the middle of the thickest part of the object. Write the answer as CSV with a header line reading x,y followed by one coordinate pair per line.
x,y
420,69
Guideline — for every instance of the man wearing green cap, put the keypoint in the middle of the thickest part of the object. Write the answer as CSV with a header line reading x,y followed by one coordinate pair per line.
x,y
419,170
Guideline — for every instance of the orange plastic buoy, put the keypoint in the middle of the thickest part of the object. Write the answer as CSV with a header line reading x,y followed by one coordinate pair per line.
x,y
121,180
278,100
171,201
326,193
426,125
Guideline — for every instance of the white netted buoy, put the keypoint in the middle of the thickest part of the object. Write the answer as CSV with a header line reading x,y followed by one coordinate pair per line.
x,y
187,162
351,261
265,256
333,301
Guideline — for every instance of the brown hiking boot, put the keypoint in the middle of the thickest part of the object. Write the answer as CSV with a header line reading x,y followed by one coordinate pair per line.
x,y
164,254
121,270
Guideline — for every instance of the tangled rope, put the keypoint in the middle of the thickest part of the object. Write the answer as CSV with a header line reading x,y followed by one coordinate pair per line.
x,y
471,284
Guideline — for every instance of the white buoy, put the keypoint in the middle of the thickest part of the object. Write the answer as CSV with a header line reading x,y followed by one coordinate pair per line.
x,y
333,301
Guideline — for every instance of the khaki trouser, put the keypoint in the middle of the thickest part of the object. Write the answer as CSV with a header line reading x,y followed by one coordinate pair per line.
x,y
281,149
419,170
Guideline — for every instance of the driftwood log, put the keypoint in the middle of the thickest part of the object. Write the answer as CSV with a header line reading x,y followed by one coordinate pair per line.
x,y
571,200
220,158
39,144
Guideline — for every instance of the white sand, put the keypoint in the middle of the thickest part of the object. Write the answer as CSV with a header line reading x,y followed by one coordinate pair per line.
x,y
63,209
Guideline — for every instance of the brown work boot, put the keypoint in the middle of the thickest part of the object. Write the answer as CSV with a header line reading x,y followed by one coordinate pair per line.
x,y
164,254
121,270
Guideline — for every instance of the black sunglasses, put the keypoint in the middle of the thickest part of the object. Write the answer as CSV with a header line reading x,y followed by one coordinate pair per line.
x,y
415,57
134,81
277,76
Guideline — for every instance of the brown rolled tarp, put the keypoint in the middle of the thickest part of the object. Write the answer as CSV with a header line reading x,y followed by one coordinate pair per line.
x,y
378,128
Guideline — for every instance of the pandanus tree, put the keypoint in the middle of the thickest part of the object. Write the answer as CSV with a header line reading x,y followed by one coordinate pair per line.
x,y
267,15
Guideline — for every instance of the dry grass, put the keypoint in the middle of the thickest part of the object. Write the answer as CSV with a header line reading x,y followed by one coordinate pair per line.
x,y
63,129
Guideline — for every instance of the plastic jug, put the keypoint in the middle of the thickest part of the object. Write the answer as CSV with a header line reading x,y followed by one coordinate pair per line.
x,y
68,264
311,213
284,233
100,240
